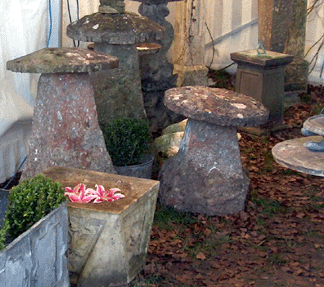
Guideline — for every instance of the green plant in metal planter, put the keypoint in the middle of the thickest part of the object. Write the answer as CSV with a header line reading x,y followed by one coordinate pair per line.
x,y
126,140
30,201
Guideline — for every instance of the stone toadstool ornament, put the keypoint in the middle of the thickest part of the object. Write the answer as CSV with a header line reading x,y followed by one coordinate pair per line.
x,y
65,129
206,175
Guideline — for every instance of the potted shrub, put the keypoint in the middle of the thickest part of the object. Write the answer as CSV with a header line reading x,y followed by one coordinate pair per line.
x,y
126,141
34,235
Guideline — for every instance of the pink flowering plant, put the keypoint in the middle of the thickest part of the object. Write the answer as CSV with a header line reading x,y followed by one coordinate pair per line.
x,y
81,194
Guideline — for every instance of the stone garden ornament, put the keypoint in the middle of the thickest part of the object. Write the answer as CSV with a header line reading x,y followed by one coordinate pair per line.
x,y
206,175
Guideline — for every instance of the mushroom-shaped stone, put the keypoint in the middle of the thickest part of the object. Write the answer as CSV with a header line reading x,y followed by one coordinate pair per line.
x,y
206,175
216,106
118,93
115,29
65,128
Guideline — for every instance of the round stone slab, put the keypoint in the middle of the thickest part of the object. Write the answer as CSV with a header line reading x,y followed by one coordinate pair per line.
x,y
216,106
315,124
146,48
63,60
294,155
124,28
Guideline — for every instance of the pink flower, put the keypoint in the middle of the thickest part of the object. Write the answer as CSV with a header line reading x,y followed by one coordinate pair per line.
x,y
79,194
103,195
82,195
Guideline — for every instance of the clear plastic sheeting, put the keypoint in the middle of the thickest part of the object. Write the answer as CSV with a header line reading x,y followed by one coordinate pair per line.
x,y
230,26
22,31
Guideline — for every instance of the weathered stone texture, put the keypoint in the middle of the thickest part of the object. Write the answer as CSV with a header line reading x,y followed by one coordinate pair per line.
x,y
282,28
63,60
123,28
108,241
255,77
157,71
38,257
188,47
118,95
294,155
217,106
206,175
65,128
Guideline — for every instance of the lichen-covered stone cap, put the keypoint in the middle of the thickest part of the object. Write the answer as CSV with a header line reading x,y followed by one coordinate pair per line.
x,y
269,59
63,60
216,106
124,28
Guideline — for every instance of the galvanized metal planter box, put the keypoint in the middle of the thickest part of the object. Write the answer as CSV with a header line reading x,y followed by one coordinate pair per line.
x,y
38,257
109,240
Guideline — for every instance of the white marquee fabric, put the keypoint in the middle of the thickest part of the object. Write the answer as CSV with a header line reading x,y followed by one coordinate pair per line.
x,y
24,28
22,31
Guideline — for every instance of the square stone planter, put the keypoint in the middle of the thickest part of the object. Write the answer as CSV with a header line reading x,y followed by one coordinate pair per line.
x,y
38,257
108,241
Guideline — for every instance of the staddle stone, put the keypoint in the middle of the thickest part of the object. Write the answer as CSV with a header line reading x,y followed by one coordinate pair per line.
x,y
65,129
118,93
206,175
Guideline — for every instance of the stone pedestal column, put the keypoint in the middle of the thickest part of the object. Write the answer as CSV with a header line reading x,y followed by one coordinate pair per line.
x,y
261,76
157,71
188,47
282,28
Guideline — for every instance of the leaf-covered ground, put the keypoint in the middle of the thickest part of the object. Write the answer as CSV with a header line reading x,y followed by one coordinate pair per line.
x,y
278,240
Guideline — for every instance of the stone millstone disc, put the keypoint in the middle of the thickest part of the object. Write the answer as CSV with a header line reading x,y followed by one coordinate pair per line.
x,y
63,60
294,155
124,28
217,106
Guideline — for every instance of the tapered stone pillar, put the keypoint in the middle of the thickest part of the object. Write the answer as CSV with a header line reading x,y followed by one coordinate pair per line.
x,y
282,28
188,46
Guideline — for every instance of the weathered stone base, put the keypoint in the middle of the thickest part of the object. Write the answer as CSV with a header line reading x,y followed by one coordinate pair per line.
x,y
108,241
206,175
191,75
118,94
65,128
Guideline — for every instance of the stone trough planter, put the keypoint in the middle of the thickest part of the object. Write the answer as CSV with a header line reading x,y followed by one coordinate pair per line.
x,y
38,257
108,241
